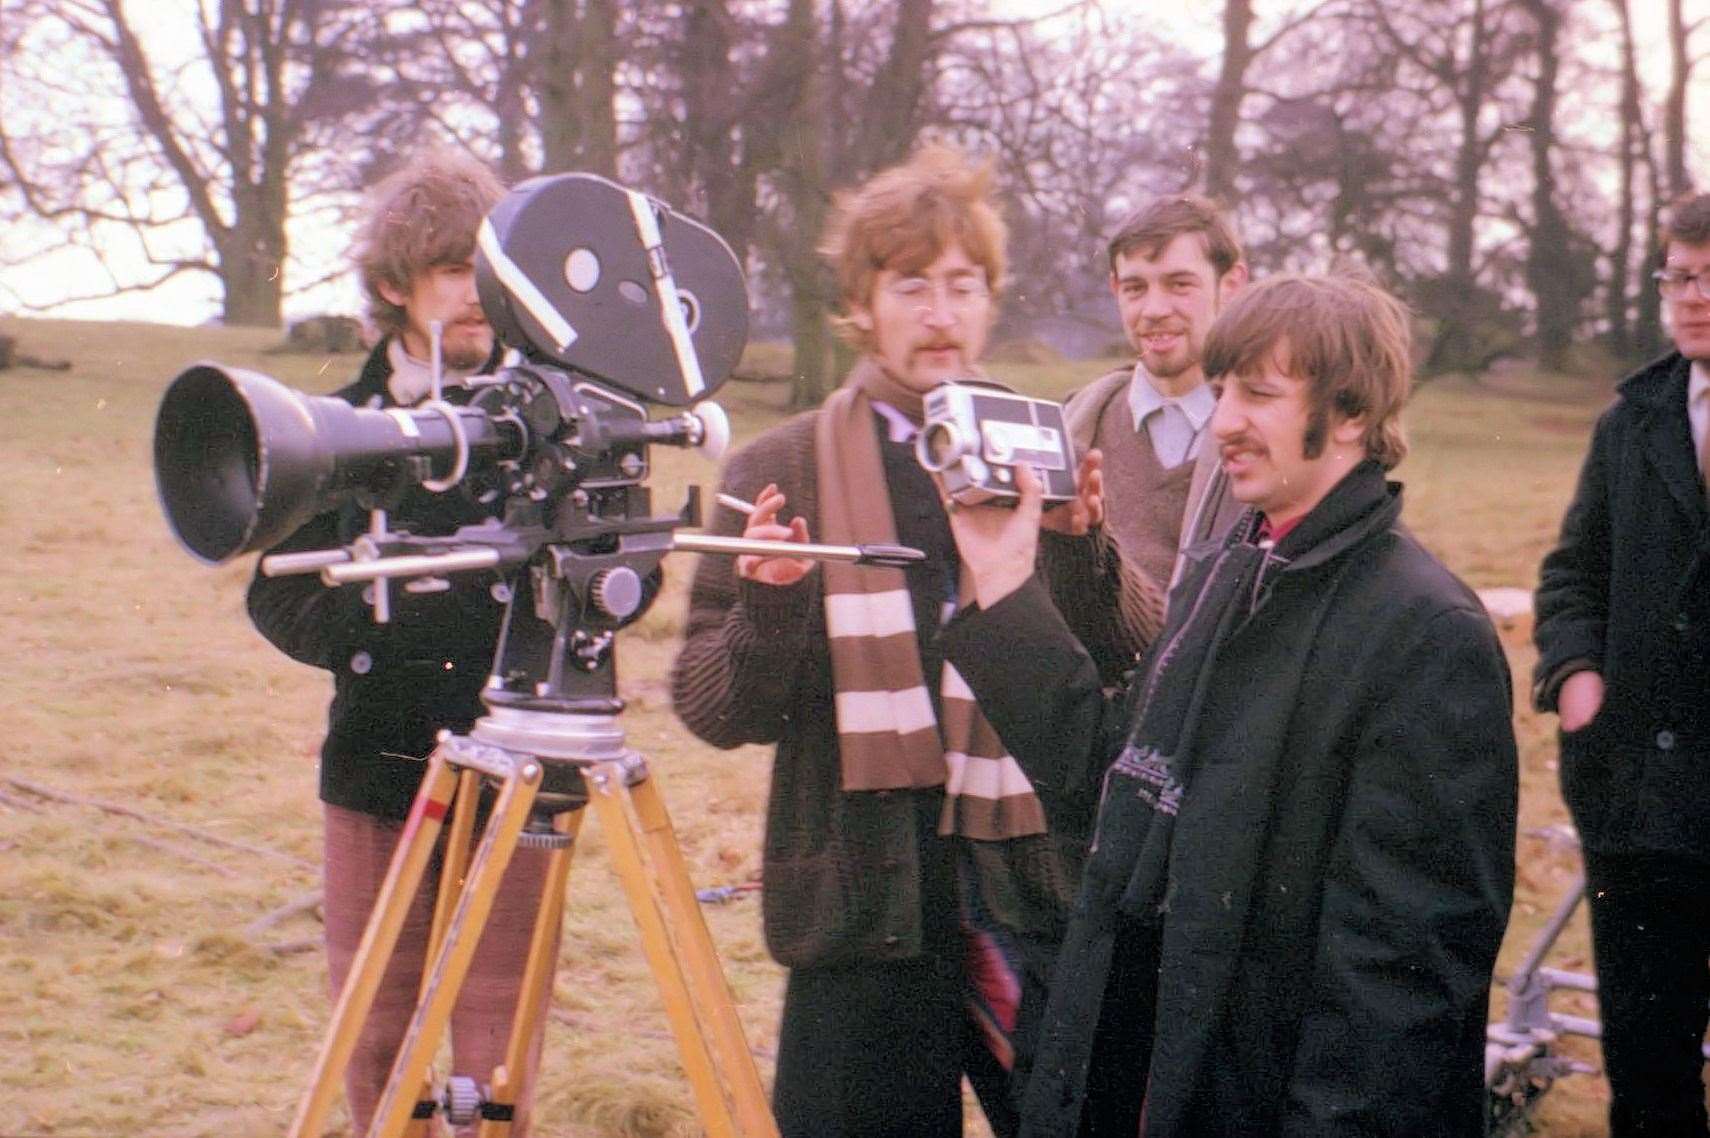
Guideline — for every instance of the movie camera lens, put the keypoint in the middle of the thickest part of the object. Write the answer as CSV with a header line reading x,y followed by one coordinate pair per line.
x,y
939,445
241,460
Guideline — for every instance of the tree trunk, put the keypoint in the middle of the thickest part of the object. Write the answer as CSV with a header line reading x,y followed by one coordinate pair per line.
x,y
1674,104
1452,349
891,110
1647,324
576,86
721,128
802,179
1221,156
1616,296
252,258
1550,271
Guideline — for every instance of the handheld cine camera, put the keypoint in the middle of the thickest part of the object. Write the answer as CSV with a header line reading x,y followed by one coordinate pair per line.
x,y
975,436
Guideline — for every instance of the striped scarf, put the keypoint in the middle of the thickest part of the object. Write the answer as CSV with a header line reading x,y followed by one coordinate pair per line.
x,y
888,735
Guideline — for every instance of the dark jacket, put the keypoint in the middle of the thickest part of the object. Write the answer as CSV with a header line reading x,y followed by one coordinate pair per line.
x,y
395,685
1626,591
842,870
1342,863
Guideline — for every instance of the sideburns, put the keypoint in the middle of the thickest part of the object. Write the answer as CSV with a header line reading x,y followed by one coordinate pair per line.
x,y
1317,432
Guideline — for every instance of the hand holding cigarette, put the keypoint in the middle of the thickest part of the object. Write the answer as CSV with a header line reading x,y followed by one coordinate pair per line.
x,y
763,525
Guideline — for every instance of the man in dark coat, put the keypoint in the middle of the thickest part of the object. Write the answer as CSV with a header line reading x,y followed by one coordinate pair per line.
x,y
396,685
1303,858
1623,632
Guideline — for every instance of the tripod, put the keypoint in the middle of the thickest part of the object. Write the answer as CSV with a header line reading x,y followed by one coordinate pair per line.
x,y
549,766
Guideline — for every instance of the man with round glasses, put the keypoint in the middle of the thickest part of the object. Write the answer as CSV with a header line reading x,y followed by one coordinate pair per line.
x,y
1623,633
913,885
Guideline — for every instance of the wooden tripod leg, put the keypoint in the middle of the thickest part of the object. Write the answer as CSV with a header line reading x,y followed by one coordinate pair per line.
x,y
726,1086
450,965
718,1009
403,878
542,963
459,837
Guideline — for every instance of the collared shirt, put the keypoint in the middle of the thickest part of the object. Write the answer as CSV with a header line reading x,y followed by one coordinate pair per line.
x,y
1179,426
902,429
1698,408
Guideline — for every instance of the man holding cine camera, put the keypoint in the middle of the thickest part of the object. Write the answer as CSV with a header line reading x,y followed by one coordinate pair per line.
x,y
1303,858
397,684
912,886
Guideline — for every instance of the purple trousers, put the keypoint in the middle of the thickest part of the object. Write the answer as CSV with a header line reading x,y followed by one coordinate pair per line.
x,y
358,853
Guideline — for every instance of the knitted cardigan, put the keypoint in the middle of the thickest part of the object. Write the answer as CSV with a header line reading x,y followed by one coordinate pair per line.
x,y
841,872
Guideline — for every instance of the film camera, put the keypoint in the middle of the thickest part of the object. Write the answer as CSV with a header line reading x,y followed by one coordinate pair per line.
x,y
974,436
608,301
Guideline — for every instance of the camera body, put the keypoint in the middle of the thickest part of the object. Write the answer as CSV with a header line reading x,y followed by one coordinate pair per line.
x,y
974,436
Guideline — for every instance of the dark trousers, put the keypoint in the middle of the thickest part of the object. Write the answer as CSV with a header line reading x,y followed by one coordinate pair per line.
x,y
1122,1043
877,1049
1650,935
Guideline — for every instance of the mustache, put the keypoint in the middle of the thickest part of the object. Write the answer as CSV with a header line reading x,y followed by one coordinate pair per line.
x,y
1237,445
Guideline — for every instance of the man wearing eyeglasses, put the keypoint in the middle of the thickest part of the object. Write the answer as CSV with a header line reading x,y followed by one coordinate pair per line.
x,y
1623,634
912,885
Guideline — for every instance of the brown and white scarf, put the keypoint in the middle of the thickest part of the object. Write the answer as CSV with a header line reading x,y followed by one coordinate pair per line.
x,y
887,734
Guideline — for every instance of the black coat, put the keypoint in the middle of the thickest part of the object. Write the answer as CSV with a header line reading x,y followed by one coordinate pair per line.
x,y
1342,864
395,685
1627,591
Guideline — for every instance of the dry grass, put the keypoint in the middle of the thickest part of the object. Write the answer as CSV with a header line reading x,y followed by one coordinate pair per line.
x,y
134,678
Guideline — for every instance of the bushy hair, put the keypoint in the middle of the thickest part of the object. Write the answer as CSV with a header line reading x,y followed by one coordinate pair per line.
x,y
1154,225
423,214
1348,339
904,218
1688,221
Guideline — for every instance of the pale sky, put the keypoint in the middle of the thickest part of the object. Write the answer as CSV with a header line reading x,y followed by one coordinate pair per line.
x,y
318,250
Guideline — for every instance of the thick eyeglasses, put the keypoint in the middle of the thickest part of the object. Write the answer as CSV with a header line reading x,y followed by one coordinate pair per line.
x,y
1675,284
958,294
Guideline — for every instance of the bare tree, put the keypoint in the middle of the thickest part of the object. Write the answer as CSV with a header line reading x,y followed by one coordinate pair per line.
x,y
530,83
1555,274
1085,119
1617,297
1222,156
1681,63
1459,57
575,70
196,175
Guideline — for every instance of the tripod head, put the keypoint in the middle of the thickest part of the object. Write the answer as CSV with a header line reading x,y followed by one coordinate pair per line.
x,y
608,302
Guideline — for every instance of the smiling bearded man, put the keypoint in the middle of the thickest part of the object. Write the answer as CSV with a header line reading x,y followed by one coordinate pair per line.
x,y
1174,264
1304,853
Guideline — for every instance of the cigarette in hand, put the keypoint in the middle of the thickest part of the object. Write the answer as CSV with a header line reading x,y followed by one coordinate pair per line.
x,y
735,503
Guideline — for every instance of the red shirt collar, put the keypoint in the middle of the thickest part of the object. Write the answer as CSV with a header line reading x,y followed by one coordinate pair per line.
x,y
1275,533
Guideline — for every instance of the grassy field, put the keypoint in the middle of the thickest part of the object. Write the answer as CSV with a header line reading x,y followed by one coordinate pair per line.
x,y
158,795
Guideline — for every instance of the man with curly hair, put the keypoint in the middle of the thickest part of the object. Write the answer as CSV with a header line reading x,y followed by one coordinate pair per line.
x,y
396,685
913,884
